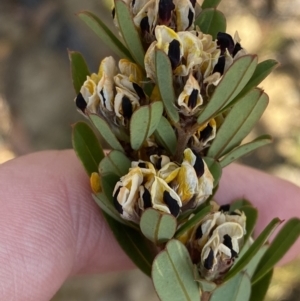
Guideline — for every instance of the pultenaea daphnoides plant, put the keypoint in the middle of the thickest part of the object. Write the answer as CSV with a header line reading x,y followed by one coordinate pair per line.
x,y
173,105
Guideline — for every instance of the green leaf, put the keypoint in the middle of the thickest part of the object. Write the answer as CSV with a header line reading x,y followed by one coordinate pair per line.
x,y
215,169
260,288
103,202
253,249
158,227
211,21
105,34
164,75
79,70
135,245
262,70
165,135
238,123
114,163
237,289
252,215
233,81
172,274
87,147
144,122
245,149
286,237
252,265
193,221
108,183
238,204
206,286
129,32
210,3
106,132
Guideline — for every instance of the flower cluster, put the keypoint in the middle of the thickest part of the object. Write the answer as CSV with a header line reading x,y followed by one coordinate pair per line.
x,y
216,241
163,185
112,93
177,14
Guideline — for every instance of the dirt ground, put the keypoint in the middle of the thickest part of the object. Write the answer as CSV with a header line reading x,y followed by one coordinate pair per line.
x,y
37,109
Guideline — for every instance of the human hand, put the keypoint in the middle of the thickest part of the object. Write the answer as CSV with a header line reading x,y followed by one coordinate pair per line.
x,y
52,229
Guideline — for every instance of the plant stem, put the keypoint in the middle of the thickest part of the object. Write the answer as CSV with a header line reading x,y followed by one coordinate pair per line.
x,y
183,139
205,296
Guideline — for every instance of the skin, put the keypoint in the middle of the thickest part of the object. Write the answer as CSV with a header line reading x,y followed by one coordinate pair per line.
x,y
51,228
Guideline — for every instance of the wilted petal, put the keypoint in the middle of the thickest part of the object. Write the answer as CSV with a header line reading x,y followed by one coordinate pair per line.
x,y
185,14
159,161
149,61
131,70
205,186
187,182
204,134
165,198
125,104
190,98
126,194
165,8
192,53
169,172
169,41
88,92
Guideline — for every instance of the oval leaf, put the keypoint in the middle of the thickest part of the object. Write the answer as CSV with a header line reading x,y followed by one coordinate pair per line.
x,y
237,289
140,250
79,70
129,32
210,3
106,132
165,135
115,162
253,249
172,274
238,123
233,81
87,147
144,122
105,34
211,21
245,149
158,227
286,237
164,75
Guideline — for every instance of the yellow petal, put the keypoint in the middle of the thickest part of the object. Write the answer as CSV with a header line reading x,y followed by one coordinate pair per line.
x,y
95,182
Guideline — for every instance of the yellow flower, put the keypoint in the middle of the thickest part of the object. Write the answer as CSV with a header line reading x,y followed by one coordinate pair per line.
x,y
192,180
205,133
185,14
105,87
217,240
126,194
190,98
168,41
164,198
124,105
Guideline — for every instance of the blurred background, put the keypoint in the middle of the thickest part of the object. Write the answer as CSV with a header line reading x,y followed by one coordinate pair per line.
x,y
37,109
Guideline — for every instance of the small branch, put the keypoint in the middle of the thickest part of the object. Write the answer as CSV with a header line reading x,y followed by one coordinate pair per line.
x,y
205,296
183,139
